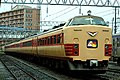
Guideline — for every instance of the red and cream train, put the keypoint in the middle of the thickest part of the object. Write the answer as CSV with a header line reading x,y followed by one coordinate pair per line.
x,y
83,43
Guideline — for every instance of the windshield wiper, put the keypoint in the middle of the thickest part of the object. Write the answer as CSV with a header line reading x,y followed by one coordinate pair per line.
x,y
102,24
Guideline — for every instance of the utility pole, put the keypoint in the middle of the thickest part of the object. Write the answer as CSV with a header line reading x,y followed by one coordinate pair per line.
x,y
0,3
112,25
115,29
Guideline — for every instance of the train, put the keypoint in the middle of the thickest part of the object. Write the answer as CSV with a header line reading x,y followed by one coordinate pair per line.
x,y
83,43
116,48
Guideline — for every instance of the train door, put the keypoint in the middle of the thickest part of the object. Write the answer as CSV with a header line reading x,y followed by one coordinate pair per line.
x,y
34,46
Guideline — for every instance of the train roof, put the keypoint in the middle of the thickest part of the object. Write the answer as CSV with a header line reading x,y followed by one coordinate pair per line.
x,y
42,33
86,20
12,43
88,16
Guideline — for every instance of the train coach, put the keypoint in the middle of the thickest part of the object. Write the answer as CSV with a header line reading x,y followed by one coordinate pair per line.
x,y
83,43
116,48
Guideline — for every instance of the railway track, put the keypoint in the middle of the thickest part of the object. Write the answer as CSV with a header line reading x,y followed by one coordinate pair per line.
x,y
111,75
113,72
21,71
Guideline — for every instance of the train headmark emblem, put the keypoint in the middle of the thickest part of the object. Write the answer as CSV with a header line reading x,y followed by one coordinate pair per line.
x,y
92,33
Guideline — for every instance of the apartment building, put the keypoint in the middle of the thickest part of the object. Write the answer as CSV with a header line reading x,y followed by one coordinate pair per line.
x,y
21,16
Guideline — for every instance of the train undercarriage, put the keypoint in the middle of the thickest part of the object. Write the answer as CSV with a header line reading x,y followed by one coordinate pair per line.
x,y
89,66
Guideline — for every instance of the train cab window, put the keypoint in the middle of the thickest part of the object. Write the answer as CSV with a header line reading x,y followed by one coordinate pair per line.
x,y
55,39
69,23
87,20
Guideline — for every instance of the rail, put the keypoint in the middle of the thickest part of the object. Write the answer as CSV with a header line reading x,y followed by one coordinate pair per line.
x,y
21,71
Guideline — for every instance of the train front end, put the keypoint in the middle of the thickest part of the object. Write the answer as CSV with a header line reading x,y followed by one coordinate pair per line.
x,y
88,42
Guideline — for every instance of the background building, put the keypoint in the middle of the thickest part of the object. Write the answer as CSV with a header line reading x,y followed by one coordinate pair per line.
x,y
21,16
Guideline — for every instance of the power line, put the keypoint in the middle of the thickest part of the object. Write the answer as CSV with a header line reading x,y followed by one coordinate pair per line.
x,y
64,13
98,3
103,11
108,14
57,12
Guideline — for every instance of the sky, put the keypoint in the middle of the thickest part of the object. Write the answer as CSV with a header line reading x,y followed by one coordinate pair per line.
x,y
63,13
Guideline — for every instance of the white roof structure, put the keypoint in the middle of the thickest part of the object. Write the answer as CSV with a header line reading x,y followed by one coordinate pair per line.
x,y
20,7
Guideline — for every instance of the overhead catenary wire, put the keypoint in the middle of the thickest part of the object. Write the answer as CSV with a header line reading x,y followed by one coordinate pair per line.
x,y
108,14
56,12
95,13
59,11
104,11
64,13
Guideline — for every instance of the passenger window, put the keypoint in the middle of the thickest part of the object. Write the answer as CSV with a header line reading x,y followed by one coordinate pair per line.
x,y
28,43
58,38
55,39
45,41
48,40
17,45
40,42
51,40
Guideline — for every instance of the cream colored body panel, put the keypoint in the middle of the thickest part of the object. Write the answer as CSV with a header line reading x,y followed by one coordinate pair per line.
x,y
26,50
12,49
52,51
81,33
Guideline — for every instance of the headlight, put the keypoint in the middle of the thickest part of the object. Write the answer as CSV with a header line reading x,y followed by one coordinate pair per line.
x,y
75,40
107,40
